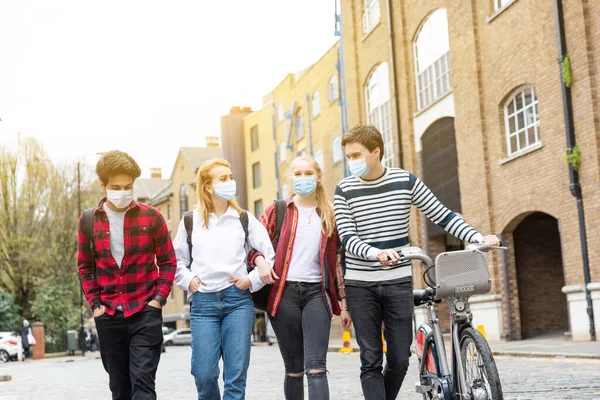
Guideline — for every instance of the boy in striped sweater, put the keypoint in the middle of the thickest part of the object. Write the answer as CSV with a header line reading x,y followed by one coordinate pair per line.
x,y
372,210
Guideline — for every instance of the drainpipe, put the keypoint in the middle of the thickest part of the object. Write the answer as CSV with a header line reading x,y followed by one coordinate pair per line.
x,y
575,186
506,288
309,119
396,107
276,150
342,82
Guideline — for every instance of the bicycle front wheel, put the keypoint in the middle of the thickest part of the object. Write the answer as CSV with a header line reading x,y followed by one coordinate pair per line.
x,y
481,374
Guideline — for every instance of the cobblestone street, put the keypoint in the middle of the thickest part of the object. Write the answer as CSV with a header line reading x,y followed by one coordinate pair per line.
x,y
58,379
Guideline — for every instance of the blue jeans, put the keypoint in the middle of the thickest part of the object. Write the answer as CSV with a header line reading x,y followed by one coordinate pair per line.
x,y
222,325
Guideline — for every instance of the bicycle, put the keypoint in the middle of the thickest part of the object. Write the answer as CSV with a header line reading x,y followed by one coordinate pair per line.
x,y
455,276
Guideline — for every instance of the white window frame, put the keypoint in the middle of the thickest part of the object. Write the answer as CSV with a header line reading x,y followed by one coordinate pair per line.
x,y
320,158
500,4
333,89
378,110
433,80
285,192
371,15
282,152
299,124
530,120
336,150
280,113
316,104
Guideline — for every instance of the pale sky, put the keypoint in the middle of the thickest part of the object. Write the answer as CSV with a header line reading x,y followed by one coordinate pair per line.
x,y
146,76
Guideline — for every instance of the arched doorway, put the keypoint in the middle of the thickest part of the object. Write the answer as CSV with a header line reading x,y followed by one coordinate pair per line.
x,y
540,276
439,171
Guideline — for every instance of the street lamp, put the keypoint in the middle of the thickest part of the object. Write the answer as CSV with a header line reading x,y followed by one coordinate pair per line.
x,y
81,327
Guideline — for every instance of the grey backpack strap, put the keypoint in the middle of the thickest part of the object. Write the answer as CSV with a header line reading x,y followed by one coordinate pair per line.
x,y
88,231
188,222
244,222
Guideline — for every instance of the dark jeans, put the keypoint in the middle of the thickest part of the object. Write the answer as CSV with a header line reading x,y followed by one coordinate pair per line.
x,y
131,351
302,326
370,306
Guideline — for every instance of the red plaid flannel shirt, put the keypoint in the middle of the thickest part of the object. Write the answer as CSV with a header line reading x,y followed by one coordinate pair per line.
x,y
138,281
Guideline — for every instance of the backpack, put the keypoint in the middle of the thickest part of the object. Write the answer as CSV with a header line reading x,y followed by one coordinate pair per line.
x,y
260,298
88,231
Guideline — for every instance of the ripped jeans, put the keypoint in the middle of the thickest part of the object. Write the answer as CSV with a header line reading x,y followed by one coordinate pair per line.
x,y
302,326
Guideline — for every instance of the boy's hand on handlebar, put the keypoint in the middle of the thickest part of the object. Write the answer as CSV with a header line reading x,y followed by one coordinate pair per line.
x,y
388,256
491,240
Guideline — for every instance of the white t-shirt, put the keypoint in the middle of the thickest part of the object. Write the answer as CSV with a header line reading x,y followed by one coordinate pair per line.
x,y
305,265
116,222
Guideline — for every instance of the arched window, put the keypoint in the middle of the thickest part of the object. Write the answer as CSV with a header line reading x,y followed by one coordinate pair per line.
x,y
333,90
316,105
521,119
377,94
299,124
432,59
183,198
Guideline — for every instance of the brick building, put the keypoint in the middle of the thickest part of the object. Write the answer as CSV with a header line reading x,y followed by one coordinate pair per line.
x,y
468,96
475,108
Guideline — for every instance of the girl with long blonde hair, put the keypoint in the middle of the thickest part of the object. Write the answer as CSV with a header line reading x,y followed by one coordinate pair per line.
x,y
214,273
310,289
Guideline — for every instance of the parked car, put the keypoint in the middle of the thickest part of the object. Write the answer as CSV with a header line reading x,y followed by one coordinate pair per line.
x,y
10,347
178,337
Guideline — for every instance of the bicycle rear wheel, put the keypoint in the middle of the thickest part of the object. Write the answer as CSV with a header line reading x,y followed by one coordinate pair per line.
x,y
481,374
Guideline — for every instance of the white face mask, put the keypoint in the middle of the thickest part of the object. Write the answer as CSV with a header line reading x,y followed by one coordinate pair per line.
x,y
120,198
225,190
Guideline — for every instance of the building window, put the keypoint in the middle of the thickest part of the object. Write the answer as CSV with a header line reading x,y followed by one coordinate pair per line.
x,y
256,175
371,15
333,90
316,105
282,152
168,212
320,158
299,124
280,114
522,121
499,4
284,191
254,137
432,59
336,150
183,199
377,93
258,208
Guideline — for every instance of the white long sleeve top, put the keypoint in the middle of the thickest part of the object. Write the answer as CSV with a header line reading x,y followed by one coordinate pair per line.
x,y
219,251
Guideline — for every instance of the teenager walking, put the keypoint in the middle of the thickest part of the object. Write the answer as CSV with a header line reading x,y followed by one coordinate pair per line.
x,y
218,283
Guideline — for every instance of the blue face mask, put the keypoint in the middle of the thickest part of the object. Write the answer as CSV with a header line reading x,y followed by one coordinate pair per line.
x,y
225,190
305,185
358,167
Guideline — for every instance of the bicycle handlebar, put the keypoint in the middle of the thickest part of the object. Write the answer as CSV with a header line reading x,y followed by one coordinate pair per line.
x,y
416,253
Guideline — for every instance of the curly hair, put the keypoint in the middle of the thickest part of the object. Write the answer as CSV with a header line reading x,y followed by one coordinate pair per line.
x,y
115,162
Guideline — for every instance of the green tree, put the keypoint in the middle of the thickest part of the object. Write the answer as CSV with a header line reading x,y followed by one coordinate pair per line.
x,y
10,318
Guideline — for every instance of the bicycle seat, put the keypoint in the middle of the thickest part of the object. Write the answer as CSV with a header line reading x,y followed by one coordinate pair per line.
x,y
422,296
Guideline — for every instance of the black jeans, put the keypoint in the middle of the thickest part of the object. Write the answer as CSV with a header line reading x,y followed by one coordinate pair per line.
x,y
302,326
370,306
130,350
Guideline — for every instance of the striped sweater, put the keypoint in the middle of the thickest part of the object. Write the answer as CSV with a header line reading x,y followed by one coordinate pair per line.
x,y
375,215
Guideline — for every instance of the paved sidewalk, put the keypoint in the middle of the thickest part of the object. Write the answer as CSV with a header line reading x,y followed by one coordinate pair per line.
x,y
552,346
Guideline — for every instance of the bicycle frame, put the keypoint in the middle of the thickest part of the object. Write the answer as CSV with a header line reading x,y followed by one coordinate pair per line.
x,y
443,380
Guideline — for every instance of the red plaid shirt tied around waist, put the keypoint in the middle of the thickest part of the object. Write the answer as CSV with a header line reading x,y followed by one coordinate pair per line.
x,y
148,265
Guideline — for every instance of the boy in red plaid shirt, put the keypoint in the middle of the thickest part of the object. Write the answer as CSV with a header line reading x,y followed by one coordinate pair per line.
x,y
130,281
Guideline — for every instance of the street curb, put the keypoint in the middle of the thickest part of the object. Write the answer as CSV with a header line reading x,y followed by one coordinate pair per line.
x,y
5,378
516,354
522,354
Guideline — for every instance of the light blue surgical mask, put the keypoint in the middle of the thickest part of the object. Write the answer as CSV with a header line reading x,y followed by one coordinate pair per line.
x,y
225,190
305,185
358,167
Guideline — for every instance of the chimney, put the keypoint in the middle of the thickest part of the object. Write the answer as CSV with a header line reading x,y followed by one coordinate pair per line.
x,y
212,141
155,173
